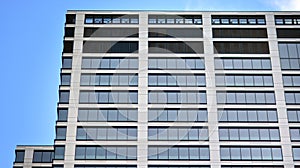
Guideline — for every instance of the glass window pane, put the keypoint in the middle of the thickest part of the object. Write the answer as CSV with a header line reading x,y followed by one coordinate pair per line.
x,y
276,153
235,153
256,153
225,153
266,154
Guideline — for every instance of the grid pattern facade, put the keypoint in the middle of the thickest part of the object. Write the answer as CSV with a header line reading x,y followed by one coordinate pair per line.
x,y
176,89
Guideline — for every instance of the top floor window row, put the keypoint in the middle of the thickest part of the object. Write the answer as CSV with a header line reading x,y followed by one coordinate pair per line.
x,y
175,19
111,19
70,18
184,19
287,20
238,20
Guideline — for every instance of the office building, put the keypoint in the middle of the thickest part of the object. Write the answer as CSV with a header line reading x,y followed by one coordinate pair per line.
x,y
176,90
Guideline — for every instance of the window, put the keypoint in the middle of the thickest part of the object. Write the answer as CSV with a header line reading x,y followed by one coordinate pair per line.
x,y
68,46
238,19
287,20
245,166
292,97
20,154
296,153
109,63
178,153
243,63
175,19
70,18
106,133
170,97
244,80
62,114
176,63
111,19
249,134
106,153
59,152
105,166
104,97
64,96
289,55
65,79
293,115
177,133
288,32
177,115
179,166
247,115
295,134
110,32
109,80
57,166
239,33
66,62
110,46
251,153
107,115
61,133
291,80
42,156
69,31
176,80
245,97
176,32
188,47
222,47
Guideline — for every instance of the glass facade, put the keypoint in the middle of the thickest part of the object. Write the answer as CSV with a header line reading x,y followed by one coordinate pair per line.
x,y
251,153
175,90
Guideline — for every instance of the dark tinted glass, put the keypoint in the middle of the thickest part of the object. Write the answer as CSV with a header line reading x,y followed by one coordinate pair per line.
x,y
176,32
239,33
68,46
69,31
111,32
288,32
110,46
241,47
175,47
70,18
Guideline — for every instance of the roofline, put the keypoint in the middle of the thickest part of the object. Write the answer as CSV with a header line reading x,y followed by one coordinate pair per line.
x,y
34,146
95,10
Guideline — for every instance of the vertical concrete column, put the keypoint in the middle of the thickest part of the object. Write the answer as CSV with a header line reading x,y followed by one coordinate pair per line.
x,y
28,157
279,92
143,92
74,92
211,92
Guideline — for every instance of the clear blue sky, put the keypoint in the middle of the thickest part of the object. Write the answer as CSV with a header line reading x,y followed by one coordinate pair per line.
x,y
31,45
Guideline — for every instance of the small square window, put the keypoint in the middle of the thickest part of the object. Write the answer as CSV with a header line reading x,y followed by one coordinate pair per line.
x,y
89,20
216,21
279,21
225,21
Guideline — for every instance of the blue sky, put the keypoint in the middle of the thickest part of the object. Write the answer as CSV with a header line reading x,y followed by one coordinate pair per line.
x,y
31,45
